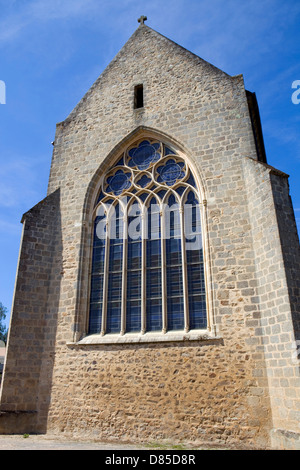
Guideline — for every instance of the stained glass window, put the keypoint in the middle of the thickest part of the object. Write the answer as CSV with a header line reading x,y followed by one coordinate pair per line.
x,y
134,269
153,268
194,264
97,277
143,155
115,264
170,172
147,268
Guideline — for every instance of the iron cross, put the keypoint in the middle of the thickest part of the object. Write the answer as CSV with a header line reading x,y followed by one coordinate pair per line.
x,y
142,19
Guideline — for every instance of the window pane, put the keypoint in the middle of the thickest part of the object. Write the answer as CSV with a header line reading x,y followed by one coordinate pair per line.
x,y
192,223
114,286
174,281
175,313
154,314
116,225
134,285
98,259
153,253
197,309
154,220
97,288
194,256
99,236
133,316
134,272
95,318
113,322
161,193
195,269
134,255
191,180
153,283
115,257
153,272
175,305
196,278
96,293
173,252
134,229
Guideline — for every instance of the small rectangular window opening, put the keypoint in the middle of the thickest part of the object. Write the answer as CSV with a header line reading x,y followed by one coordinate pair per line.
x,y
138,97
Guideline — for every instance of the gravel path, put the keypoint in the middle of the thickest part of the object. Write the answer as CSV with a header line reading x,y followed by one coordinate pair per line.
x,y
45,442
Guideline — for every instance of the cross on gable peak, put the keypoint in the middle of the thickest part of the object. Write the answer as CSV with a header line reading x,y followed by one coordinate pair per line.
x,y
142,19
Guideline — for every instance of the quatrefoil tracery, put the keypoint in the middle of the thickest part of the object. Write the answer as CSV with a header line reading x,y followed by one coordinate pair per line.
x,y
146,166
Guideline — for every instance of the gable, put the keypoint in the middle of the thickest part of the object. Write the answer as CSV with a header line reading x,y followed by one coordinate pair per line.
x,y
184,97
150,58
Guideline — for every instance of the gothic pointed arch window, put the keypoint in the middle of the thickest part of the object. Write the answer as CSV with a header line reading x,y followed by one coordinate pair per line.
x,y
147,272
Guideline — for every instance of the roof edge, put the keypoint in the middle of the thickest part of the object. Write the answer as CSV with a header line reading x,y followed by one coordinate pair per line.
x,y
37,206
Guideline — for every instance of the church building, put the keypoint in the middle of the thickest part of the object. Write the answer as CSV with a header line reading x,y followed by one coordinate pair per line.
x,y
157,292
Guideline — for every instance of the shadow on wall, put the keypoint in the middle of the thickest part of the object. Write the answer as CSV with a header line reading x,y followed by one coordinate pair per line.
x,y
289,240
27,378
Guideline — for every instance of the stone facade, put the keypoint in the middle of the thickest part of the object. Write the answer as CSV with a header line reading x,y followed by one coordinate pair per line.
x,y
238,385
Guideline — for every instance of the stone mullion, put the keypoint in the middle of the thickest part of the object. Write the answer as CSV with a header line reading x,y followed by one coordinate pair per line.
x,y
207,266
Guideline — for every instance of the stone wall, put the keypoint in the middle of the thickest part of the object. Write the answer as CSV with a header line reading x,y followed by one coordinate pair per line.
x,y
195,392
28,367
277,258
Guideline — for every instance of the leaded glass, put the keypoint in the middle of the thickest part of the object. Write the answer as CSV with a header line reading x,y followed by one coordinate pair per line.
x,y
168,151
154,314
134,256
116,227
194,264
191,180
96,288
170,172
100,197
150,277
115,265
95,317
143,196
143,155
175,313
175,303
97,276
113,317
134,269
153,269
143,181
133,316
180,190
161,193
118,182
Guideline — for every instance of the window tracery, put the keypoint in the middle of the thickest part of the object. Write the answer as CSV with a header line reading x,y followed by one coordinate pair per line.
x,y
147,270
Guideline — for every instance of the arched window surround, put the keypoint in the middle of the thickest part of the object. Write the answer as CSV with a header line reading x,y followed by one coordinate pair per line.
x,y
144,335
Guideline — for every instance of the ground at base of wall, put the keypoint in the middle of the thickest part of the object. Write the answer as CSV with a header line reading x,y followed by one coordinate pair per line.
x,y
60,442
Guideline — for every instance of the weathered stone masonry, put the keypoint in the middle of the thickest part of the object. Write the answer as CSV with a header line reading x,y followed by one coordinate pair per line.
x,y
238,385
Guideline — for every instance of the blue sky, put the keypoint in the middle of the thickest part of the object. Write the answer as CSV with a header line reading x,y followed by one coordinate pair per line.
x,y
52,52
